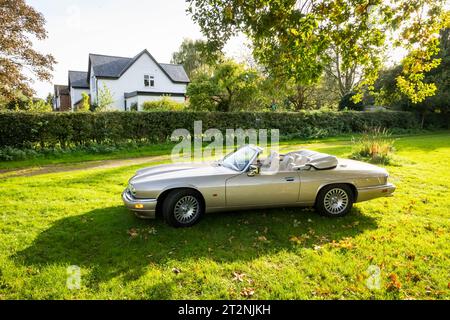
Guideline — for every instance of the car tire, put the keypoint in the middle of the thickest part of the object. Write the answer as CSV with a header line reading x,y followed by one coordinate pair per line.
x,y
182,208
335,200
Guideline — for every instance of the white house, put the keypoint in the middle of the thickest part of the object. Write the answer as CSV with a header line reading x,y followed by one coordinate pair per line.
x,y
77,85
131,81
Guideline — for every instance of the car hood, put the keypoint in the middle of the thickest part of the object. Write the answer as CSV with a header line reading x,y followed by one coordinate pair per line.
x,y
179,170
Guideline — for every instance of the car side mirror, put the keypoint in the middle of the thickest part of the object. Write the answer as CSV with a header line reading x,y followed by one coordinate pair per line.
x,y
253,171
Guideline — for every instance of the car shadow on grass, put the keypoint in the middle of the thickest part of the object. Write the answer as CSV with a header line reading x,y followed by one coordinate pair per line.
x,y
111,242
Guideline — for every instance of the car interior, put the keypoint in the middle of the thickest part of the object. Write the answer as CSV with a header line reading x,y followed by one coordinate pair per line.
x,y
298,160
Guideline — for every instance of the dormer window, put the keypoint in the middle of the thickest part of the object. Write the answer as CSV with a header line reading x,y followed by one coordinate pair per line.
x,y
149,81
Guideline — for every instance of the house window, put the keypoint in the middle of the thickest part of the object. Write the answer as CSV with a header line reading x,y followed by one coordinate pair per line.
x,y
149,81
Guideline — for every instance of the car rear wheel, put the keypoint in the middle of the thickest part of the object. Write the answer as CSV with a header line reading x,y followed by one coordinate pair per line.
x,y
182,208
335,200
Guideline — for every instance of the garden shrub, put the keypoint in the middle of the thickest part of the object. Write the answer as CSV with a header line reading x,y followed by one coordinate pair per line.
x,y
375,145
165,104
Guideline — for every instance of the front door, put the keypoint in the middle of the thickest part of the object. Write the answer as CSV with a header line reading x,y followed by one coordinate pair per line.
x,y
262,189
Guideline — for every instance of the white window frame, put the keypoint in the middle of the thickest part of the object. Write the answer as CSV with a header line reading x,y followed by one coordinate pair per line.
x,y
149,80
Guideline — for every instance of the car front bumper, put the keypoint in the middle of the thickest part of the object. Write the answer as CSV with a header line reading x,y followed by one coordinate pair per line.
x,y
369,193
143,208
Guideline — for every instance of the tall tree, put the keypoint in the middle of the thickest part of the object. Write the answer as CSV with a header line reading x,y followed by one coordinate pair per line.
x,y
232,87
18,23
346,76
194,55
293,38
388,94
105,99
49,98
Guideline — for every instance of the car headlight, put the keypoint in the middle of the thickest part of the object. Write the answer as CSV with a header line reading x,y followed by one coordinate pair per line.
x,y
132,189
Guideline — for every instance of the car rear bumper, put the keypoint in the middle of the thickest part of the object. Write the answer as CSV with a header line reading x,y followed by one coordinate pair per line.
x,y
143,208
369,193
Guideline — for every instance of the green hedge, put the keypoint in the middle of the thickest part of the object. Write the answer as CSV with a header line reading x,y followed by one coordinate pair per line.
x,y
24,129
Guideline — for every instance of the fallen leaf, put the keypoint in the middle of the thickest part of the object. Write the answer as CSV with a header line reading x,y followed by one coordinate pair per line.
x,y
345,243
295,240
411,256
238,276
247,292
133,233
394,283
299,239
176,270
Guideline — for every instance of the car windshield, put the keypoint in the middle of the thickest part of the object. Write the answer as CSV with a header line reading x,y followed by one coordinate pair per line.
x,y
239,160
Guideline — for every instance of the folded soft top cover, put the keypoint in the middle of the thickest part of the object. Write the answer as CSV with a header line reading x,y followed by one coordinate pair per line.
x,y
318,160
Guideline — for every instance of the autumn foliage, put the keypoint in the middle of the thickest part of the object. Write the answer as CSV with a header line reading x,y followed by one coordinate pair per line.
x,y
19,25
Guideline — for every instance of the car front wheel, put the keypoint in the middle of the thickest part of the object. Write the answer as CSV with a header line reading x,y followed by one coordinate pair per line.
x,y
335,200
182,208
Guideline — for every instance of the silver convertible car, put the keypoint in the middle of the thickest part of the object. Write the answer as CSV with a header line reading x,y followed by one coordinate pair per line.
x,y
184,192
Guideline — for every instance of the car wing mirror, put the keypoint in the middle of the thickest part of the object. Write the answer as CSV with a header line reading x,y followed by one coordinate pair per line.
x,y
253,171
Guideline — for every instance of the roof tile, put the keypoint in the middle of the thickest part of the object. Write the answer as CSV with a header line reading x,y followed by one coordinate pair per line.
x,y
78,79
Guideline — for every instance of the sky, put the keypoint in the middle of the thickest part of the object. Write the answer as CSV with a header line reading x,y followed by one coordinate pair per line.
x,y
114,27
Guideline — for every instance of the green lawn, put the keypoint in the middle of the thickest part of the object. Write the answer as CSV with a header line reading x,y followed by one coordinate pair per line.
x,y
52,221
84,156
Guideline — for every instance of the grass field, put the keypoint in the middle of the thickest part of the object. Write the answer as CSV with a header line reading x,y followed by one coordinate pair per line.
x,y
51,221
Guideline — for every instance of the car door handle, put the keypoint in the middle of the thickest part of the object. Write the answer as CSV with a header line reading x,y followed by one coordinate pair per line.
x,y
289,179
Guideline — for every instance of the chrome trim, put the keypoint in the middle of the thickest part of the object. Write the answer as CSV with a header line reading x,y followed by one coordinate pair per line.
x,y
149,209
372,192
134,200
384,186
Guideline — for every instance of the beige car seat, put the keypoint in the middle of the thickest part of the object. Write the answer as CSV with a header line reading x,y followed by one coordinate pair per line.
x,y
286,162
268,161
272,165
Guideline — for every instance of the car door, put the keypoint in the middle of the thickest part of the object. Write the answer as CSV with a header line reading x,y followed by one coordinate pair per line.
x,y
262,189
